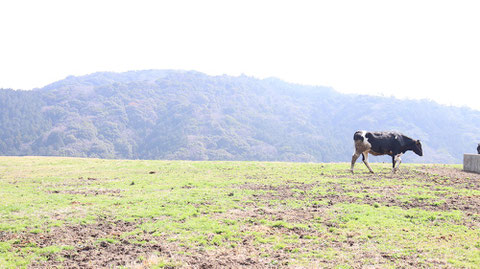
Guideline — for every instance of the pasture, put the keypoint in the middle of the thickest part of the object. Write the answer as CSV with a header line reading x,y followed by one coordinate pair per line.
x,y
90,213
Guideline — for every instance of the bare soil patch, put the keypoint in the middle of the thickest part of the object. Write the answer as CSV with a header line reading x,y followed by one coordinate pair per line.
x,y
89,192
450,176
389,194
90,247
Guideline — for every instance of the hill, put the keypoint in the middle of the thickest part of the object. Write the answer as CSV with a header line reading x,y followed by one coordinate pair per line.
x,y
166,114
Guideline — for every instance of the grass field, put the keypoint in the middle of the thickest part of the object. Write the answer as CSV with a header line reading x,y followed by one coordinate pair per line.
x,y
91,213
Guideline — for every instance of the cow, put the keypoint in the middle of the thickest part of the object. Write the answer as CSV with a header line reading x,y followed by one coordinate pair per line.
x,y
478,148
383,143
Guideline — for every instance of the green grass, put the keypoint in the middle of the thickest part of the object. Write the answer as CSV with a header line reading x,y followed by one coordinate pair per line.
x,y
279,214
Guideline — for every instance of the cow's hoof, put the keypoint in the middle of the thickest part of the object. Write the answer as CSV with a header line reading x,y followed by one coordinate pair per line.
x,y
371,172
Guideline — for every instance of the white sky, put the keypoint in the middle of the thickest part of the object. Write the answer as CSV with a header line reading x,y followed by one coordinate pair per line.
x,y
408,49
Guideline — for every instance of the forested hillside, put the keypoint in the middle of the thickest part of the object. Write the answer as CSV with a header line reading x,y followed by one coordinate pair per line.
x,y
162,114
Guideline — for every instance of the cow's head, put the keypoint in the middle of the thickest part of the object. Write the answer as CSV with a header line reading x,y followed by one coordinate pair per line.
x,y
417,148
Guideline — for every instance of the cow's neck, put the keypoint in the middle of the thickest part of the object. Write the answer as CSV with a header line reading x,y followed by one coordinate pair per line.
x,y
407,147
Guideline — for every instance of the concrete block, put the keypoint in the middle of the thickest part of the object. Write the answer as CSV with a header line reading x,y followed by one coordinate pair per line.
x,y
471,163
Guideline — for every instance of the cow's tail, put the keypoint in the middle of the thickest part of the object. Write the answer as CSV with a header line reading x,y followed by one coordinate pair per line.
x,y
358,136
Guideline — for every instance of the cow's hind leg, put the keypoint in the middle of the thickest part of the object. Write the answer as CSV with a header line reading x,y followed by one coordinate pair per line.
x,y
354,159
365,161
396,162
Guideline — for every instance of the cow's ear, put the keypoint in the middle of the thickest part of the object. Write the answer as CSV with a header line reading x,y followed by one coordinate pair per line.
x,y
417,142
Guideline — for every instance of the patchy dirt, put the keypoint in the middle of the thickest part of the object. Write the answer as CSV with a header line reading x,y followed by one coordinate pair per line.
x,y
360,192
101,245
455,177
434,177
96,245
89,192
282,258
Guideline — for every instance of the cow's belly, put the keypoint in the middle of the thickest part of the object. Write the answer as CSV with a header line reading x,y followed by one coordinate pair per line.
x,y
375,153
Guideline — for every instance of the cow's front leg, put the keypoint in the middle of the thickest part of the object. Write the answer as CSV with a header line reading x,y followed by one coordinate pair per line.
x,y
396,162
354,159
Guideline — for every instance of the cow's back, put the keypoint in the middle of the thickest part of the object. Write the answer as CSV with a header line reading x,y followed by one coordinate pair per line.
x,y
383,142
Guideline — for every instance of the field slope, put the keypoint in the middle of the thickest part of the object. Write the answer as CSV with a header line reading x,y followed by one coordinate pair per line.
x,y
90,213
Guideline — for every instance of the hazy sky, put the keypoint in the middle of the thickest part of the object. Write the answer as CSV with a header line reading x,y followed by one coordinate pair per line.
x,y
413,49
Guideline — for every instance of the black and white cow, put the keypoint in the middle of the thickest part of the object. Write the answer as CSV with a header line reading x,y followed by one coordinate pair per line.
x,y
383,143
478,148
